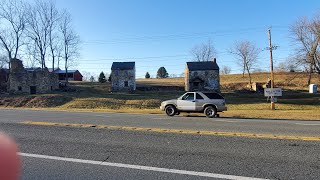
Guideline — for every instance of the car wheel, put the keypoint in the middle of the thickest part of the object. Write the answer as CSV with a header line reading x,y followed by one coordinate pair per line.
x,y
210,111
170,110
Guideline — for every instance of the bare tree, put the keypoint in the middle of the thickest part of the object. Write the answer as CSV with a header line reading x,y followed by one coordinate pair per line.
x,y
43,19
54,40
86,75
246,54
3,61
281,67
225,70
70,41
306,34
203,52
13,21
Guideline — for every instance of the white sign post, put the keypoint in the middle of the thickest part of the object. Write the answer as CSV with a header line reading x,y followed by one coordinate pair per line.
x,y
272,92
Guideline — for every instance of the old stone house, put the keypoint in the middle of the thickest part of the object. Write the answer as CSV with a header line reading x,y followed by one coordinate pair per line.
x,y
202,76
123,76
31,80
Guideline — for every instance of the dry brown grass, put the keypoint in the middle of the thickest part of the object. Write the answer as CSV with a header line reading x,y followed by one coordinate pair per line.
x,y
294,80
296,102
161,82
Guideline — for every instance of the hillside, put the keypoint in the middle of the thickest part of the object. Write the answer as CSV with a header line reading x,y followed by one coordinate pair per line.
x,y
296,102
233,82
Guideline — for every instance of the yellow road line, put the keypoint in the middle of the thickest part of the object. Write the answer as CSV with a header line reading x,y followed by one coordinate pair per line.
x,y
180,131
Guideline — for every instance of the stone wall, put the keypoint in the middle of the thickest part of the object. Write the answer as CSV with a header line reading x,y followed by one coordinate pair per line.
x,y
31,82
208,80
123,80
3,80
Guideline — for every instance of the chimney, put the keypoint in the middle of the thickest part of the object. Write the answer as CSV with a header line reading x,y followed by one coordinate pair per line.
x,y
16,65
214,60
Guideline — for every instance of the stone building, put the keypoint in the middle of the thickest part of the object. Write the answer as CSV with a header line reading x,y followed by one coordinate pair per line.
x,y
4,73
202,76
32,80
123,76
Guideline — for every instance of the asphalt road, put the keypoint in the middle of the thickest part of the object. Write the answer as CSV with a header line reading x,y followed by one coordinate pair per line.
x,y
199,155
258,126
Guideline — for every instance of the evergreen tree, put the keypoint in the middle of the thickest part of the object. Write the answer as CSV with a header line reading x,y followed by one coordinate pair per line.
x,y
102,78
91,79
162,73
147,76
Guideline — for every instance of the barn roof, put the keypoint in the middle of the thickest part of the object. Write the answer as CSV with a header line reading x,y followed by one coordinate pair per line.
x,y
201,66
33,69
122,65
64,71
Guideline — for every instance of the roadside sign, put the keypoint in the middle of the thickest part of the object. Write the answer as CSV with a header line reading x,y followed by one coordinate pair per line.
x,y
273,92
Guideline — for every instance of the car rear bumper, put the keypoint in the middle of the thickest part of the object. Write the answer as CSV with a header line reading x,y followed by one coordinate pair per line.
x,y
223,108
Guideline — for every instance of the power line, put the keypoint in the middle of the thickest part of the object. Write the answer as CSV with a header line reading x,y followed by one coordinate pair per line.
x,y
176,36
133,58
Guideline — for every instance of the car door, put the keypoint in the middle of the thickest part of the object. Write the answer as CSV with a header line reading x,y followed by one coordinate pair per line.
x,y
187,102
199,102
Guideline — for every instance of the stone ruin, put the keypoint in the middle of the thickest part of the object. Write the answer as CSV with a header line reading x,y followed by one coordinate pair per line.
x,y
31,81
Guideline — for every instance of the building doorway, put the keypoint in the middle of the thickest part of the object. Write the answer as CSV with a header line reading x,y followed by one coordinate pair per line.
x,y
33,90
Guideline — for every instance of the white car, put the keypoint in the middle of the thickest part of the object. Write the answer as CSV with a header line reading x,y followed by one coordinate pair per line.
x,y
208,103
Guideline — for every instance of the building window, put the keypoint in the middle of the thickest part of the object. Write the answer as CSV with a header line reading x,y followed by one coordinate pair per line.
x,y
19,88
126,84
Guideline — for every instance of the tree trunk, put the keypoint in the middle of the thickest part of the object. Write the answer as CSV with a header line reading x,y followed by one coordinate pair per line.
x,y
244,69
52,63
53,59
247,67
66,75
310,75
250,80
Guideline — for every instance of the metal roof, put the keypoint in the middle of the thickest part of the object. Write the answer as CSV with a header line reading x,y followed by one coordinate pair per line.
x,y
123,65
56,69
64,71
200,66
33,69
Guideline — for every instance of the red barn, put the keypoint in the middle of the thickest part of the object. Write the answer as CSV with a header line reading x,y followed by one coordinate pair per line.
x,y
73,75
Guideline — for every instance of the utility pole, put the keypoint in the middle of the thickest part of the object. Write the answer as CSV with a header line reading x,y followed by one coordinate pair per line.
x,y
271,69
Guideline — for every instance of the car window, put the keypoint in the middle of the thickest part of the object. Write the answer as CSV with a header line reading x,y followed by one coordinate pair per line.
x,y
213,96
198,96
189,96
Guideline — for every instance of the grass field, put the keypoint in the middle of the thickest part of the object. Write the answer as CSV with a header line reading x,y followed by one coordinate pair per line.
x,y
296,102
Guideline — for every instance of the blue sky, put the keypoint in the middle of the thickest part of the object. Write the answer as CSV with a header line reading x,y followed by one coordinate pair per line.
x,y
156,33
